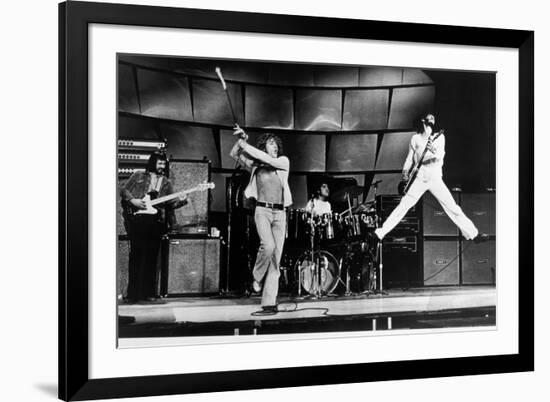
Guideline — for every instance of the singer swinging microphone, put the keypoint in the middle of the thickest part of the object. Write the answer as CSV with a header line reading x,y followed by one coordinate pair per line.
x,y
220,76
243,135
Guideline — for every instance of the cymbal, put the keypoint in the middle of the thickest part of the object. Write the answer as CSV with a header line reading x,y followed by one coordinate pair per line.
x,y
352,191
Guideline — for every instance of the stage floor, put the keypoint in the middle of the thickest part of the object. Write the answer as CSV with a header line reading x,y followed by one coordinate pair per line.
x,y
427,307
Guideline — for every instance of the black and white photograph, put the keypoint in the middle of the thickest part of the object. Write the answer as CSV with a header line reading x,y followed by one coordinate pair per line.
x,y
261,198
266,201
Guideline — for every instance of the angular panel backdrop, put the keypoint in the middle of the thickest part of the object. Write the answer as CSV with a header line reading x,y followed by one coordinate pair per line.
x,y
188,142
352,152
365,109
210,103
127,92
319,110
393,150
164,95
409,104
269,107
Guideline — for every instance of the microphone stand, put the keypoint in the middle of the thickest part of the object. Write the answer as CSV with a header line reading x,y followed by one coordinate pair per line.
x,y
229,193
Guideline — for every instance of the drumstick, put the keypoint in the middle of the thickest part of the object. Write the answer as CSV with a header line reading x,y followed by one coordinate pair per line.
x,y
220,76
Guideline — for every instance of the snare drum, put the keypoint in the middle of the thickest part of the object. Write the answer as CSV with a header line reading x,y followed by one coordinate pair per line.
x,y
325,226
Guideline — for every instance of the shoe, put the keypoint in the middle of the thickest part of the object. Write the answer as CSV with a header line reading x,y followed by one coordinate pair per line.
x,y
481,238
269,309
128,300
256,286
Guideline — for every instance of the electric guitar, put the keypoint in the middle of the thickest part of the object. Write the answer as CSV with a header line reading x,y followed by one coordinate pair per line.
x,y
150,203
405,185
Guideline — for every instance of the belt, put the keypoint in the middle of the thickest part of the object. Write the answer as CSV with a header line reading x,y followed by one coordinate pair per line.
x,y
270,205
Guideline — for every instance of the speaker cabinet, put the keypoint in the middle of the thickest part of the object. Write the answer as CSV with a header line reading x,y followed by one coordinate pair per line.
x,y
193,266
122,258
480,208
436,222
478,263
402,263
192,218
441,262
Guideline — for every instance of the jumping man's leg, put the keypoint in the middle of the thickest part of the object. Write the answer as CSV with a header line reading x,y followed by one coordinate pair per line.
x,y
445,198
407,202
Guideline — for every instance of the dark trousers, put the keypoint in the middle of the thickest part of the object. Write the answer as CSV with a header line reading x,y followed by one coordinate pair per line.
x,y
145,239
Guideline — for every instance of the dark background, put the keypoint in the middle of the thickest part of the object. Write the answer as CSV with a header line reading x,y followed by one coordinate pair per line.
x,y
465,108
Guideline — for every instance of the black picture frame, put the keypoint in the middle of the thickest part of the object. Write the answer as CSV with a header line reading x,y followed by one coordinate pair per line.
x,y
74,380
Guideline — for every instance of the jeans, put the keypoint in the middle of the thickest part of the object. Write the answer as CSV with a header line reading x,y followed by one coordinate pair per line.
x,y
271,227
437,187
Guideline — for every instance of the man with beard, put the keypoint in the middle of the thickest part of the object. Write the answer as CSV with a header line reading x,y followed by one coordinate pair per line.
x,y
146,230
429,178
269,187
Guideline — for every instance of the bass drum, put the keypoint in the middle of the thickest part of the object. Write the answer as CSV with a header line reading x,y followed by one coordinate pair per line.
x,y
308,272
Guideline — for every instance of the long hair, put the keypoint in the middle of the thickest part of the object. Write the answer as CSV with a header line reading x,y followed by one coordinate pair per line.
x,y
418,123
152,162
262,141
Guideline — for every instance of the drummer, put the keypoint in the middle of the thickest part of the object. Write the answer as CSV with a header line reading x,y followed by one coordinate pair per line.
x,y
319,204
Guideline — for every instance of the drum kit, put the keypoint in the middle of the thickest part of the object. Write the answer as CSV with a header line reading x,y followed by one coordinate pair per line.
x,y
346,234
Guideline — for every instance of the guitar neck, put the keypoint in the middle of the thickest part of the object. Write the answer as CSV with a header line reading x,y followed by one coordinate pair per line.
x,y
170,197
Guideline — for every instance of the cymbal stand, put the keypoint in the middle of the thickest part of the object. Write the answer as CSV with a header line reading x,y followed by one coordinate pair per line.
x,y
379,253
315,259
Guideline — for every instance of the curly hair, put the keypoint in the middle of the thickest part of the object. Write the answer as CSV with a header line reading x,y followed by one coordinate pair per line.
x,y
262,141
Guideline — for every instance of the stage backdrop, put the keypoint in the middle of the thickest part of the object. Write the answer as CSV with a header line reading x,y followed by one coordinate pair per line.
x,y
345,121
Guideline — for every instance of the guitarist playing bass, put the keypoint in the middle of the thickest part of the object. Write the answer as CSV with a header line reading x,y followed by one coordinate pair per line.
x,y
426,154
146,230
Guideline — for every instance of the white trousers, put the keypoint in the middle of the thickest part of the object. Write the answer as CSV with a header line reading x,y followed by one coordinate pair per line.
x,y
437,187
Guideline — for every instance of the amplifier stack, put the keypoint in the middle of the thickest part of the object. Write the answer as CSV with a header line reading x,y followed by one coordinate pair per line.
x,y
133,155
448,258
427,249
402,247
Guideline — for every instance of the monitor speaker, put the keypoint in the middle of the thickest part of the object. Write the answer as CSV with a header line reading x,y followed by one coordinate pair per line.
x,y
193,266
441,262
478,263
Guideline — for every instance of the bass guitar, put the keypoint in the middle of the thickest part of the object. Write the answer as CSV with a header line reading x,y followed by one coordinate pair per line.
x,y
404,185
150,203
